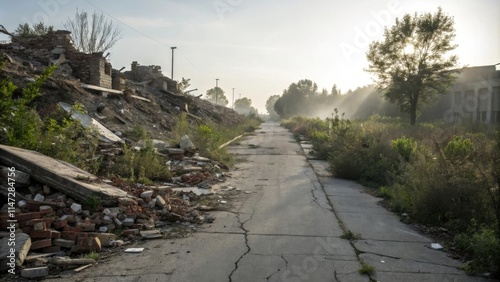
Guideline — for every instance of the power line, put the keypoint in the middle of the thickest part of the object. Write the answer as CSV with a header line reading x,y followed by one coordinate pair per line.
x,y
151,38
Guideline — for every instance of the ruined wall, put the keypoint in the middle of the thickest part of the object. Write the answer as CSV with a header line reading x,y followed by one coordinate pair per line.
x,y
50,48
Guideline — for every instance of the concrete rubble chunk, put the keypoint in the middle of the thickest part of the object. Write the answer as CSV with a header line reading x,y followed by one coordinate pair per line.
x,y
39,198
147,194
186,144
77,208
128,221
160,202
60,175
18,176
127,201
35,272
22,247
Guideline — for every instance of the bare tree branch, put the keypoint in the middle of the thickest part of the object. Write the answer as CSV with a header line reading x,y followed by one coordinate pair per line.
x,y
95,36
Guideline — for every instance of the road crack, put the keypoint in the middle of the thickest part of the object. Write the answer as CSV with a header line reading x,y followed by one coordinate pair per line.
x,y
245,234
279,269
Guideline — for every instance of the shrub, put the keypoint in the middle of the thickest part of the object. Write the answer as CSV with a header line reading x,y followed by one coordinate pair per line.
x,y
482,248
406,147
56,134
458,149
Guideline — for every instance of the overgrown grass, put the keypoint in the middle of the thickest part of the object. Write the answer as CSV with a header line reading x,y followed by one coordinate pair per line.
x,y
439,175
208,137
143,166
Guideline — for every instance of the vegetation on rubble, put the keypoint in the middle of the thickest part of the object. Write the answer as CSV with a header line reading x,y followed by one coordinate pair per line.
x,y
52,131
439,175
142,166
208,137
26,30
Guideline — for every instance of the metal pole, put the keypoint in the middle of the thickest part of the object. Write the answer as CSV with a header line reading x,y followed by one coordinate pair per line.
x,y
172,74
216,89
233,100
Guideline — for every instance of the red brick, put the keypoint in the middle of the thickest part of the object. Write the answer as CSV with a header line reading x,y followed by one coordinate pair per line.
x,y
40,226
27,229
60,224
64,243
51,249
88,244
55,234
35,215
47,211
137,226
73,229
69,235
130,232
39,244
87,227
48,220
24,216
45,234
33,221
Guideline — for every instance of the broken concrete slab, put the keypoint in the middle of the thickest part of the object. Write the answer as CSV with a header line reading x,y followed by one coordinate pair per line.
x,y
196,190
22,247
60,175
87,121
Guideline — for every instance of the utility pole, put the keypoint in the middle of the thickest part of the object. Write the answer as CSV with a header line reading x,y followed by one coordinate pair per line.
x,y
172,74
233,100
216,88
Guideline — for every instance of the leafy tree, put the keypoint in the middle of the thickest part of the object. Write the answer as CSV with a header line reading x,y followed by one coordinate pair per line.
x,y
24,30
410,63
216,96
270,107
335,90
244,106
92,34
298,99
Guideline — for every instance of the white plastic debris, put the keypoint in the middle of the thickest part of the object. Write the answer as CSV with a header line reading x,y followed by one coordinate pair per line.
x,y
436,246
134,250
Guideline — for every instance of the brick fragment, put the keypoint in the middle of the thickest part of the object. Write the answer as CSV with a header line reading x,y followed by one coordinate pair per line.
x,y
63,243
40,244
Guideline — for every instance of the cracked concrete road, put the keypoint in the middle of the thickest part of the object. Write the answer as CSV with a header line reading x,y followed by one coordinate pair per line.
x,y
285,230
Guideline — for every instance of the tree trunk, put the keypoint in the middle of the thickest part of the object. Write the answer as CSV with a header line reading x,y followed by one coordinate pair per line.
x,y
413,111
413,108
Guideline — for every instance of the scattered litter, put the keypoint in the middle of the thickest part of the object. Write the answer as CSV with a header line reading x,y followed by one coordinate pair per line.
x,y
134,250
436,246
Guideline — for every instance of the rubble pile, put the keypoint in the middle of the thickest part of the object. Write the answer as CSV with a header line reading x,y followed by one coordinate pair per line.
x,y
61,211
57,225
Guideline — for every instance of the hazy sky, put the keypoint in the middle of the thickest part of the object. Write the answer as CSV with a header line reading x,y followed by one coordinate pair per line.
x,y
260,47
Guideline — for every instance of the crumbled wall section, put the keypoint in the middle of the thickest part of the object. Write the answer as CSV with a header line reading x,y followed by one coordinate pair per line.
x,y
151,73
100,71
89,68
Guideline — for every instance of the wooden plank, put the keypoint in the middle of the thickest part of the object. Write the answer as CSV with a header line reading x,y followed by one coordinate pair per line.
x,y
60,175
98,88
140,98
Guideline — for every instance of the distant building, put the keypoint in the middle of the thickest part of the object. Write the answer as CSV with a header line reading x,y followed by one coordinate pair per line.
x,y
475,96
